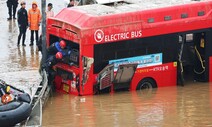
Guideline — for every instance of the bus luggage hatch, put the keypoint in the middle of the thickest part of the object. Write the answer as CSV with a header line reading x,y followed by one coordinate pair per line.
x,y
106,77
124,76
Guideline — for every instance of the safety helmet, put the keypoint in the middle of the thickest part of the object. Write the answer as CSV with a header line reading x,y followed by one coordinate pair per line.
x,y
59,55
62,44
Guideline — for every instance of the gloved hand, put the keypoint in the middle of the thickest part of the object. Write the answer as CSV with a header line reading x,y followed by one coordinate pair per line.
x,y
38,24
19,25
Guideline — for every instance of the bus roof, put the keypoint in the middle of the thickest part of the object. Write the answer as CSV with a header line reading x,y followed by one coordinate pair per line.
x,y
123,6
128,15
80,15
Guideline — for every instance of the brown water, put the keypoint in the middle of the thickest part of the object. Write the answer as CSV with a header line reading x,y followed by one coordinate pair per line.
x,y
189,106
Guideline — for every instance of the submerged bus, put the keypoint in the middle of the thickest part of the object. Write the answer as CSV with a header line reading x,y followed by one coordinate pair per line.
x,y
133,45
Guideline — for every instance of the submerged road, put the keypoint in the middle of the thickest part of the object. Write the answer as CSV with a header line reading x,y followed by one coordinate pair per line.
x,y
189,106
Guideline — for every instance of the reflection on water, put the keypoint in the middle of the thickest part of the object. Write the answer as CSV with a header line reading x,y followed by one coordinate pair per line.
x,y
188,106
22,56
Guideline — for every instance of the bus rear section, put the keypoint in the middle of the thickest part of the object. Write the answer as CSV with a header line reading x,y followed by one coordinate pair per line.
x,y
65,74
67,70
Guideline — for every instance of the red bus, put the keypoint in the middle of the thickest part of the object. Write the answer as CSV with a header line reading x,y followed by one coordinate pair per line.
x,y
131,46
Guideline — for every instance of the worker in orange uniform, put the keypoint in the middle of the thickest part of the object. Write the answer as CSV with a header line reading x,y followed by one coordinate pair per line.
x,y
34,19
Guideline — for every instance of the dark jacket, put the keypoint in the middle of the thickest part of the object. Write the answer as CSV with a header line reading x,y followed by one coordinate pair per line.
x,y
55,47
22,17
12,2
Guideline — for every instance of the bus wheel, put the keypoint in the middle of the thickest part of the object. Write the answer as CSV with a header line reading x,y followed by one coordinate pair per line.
x,y
146,83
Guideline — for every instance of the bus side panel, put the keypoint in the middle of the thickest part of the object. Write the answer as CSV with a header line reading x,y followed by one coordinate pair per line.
x,y
87,88
164,75
210,69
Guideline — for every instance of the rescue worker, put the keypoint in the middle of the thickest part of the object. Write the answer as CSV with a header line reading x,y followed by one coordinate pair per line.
x,y
49,12
52,60
22,23
53,53
12,6
71,4
61,50
57,47
34,19
48,66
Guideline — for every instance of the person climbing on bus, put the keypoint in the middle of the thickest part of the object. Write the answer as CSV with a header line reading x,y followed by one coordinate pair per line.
x,y
52,60
58,47
55,52
48,66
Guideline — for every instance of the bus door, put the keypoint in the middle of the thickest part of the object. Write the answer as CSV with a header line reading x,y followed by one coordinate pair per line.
x,y
200,57
105,77
180,76
120,79
191,58
124,75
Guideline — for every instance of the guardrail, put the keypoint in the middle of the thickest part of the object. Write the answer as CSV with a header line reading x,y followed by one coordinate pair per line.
x,y
38,100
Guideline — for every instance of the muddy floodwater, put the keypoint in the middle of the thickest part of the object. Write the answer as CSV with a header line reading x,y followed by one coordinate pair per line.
x,y
188,106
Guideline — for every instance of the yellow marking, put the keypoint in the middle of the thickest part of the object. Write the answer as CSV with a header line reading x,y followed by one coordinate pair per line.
x,y
66,87
202,43
175,64
8,89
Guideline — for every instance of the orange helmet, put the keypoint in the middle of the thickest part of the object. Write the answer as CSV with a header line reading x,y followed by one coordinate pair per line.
x,y
62,44
59,55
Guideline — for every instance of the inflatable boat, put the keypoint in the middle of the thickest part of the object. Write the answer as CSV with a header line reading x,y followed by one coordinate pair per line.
x,y
15,105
